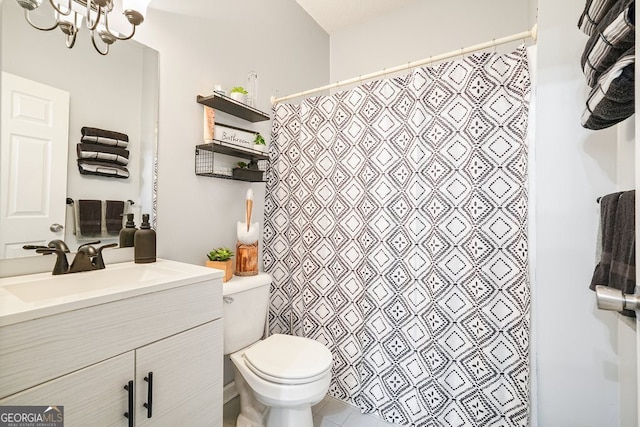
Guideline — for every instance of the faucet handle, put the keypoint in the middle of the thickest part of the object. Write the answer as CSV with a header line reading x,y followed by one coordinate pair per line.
x,y
88,244
31,247
99,261
58,244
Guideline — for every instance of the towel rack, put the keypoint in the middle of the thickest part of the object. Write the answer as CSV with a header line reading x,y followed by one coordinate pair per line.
x,y
70,201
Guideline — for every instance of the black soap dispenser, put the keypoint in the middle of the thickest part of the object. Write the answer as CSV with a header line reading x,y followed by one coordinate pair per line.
x,y
144,242
127,233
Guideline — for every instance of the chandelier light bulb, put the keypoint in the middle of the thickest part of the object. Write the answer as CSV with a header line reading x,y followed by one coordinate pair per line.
x,y
106,37
30,4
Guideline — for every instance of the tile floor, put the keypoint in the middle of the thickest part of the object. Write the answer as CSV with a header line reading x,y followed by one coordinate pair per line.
x,y
329,412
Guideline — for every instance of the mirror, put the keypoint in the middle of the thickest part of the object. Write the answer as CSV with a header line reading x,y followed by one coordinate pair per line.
x,y
116,92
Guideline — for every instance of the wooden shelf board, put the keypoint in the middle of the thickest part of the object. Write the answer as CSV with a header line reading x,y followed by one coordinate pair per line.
x,y
231,106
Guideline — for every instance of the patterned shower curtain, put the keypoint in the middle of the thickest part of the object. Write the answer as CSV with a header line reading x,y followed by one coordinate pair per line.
x,y
396,234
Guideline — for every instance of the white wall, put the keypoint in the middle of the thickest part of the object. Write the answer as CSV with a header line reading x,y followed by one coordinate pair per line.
x,y
423,29
199,48
576,345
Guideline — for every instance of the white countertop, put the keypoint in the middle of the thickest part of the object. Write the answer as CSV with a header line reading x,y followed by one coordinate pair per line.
x,y
32,296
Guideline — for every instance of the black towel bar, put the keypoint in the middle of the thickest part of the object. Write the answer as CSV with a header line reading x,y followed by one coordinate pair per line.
x,y
70,201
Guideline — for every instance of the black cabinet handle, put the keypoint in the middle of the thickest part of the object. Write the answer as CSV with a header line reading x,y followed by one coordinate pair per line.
x,y
149,404
129,414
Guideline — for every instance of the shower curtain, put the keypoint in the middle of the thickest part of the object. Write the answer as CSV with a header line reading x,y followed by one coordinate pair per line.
x,y
396,235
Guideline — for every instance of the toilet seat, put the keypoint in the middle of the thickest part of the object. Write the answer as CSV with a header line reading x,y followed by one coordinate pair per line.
x,y
287,359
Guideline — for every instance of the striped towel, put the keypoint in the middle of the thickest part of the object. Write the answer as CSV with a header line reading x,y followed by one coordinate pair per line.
x,y
617,265
612,99
103,152
102,136
593,13
95,167
613,37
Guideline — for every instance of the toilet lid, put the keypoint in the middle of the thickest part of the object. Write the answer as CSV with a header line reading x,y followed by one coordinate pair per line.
x,y
288,359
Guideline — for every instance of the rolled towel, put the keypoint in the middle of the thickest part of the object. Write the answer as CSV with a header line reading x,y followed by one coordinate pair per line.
x,y
611,39
593,13
612,99
103,153
114,211
94,167
105,137
104,141
90,217
88,131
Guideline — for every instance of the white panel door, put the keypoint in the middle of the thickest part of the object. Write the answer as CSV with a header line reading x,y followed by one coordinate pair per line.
x,y
34,139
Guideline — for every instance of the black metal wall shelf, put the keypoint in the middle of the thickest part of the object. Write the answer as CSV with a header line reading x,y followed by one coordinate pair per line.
x,y
220,147
233,107
205,161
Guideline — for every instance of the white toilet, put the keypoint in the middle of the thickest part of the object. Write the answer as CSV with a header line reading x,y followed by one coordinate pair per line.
x,y
278,378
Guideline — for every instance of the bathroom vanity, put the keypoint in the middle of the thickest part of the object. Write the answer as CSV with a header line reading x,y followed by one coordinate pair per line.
x,y
130,345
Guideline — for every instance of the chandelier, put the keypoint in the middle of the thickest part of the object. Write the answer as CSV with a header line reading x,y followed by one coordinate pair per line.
x,y
69,15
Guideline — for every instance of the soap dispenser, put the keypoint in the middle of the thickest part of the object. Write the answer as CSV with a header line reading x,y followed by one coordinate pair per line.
x,y
127,233
144,242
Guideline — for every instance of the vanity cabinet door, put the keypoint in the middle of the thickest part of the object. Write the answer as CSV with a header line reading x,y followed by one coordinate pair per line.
x,y
93,396
187,379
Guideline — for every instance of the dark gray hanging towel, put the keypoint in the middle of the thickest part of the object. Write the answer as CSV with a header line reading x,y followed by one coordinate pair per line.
x,y
617,266
90,217
114,212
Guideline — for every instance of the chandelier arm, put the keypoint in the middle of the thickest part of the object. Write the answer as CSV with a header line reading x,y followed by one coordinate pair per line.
x,y
93,40
106,26
67,13
71,39
26,16
93,26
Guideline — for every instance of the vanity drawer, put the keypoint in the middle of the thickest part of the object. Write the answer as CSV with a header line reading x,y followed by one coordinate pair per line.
x,y
39,350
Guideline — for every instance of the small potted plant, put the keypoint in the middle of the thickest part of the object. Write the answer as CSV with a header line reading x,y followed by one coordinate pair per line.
x,y
239,94
220,258
248,172
259,143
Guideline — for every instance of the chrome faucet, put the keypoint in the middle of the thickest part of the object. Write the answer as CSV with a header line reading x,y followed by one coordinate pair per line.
x,y
87,257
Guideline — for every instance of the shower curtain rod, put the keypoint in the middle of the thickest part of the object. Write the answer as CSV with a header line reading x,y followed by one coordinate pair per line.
x,y
532,33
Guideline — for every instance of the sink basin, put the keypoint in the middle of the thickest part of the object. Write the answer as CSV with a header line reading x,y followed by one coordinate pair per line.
x,y
89,282
31,296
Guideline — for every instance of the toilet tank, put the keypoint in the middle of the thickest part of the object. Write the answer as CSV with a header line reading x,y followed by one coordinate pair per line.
x,y
246,300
